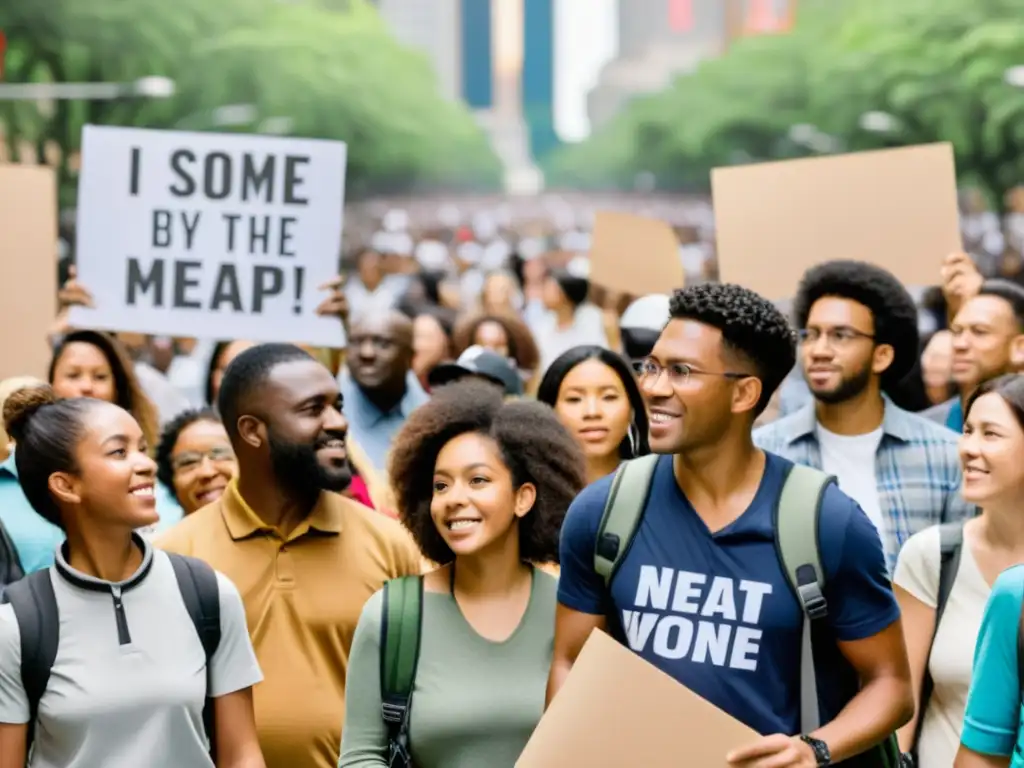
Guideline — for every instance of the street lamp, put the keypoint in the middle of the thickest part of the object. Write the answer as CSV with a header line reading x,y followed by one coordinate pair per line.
x,y
152,87
1014,76
879,122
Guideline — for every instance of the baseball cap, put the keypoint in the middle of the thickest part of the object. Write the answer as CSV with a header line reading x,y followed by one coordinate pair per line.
x,y
648,313
479,361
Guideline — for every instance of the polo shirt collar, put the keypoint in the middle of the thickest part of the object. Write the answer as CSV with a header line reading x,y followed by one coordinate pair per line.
x,y
85,581
242,522
896,423
359,408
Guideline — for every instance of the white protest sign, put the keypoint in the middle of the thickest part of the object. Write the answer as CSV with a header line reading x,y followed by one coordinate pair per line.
x,y
209,235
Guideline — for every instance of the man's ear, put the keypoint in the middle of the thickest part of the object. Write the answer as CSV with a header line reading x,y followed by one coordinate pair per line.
x,y
882,358
252,431
746,394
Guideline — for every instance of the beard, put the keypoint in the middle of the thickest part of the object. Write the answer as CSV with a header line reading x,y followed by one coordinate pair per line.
x,y
297,466
848,387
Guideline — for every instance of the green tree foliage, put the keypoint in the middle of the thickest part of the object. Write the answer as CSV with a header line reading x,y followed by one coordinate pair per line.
x,y
320,70
936,66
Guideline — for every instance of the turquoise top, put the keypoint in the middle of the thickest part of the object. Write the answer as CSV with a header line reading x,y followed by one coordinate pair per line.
x,y
35,539
992,723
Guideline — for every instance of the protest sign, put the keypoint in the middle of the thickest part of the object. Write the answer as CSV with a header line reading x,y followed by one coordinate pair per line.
x,y
634,254
28,267
896,208
616,709
209,235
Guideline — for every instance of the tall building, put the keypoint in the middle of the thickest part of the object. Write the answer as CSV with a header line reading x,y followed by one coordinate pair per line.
x,y
497,56
662,39
435,27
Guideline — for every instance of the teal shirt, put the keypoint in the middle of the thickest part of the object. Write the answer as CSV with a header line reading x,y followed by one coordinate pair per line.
x,y
992,723
35,539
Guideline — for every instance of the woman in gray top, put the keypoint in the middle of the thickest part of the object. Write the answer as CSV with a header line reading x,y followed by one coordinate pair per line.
x,y
483,485
104,660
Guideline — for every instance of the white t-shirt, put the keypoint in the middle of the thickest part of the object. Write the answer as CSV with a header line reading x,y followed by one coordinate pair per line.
x,y
851,458
587,329
917,571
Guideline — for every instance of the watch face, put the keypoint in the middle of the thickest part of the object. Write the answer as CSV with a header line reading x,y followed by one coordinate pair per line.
x,y
820,749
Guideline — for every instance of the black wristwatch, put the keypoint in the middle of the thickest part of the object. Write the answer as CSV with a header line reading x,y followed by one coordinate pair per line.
x,y
821,753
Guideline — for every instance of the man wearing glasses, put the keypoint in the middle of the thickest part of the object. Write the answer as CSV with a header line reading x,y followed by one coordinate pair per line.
x,y
858,336
699,589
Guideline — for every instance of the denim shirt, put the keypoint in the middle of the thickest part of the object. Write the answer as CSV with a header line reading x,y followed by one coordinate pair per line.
x,y
372,429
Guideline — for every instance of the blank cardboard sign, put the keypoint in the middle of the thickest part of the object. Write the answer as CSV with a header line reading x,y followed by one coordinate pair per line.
x,y
634,254
616,710
28,267
896,208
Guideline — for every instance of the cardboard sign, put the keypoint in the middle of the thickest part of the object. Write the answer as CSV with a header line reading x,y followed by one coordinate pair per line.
x,y
896,208
616,709
205,234
28,268
634,254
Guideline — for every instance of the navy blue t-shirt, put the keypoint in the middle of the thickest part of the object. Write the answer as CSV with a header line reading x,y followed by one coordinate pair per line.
x,y
715,611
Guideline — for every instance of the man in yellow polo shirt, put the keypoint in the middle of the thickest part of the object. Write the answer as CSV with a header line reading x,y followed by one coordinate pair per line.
x,y
304,558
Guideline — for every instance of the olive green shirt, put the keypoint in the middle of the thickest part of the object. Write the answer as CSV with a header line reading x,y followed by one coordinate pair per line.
x,y
475,702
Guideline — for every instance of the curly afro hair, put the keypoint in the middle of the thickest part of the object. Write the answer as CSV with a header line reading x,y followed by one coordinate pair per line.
x,y
750,324
535,447
169,438
891,306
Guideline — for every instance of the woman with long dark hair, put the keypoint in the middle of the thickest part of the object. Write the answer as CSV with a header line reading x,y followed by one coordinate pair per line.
x,y
595,395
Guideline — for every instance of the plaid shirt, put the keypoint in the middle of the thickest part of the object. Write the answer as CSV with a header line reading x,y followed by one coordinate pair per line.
x,y
917,468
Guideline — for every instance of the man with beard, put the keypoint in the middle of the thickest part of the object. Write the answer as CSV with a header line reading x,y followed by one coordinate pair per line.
x,y
379,386
858,336
304,558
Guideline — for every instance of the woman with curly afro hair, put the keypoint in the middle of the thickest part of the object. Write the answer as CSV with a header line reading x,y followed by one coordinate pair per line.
x,y
482,485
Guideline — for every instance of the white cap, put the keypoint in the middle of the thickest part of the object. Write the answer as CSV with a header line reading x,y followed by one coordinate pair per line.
x,y
432,255
579,267
649,312
395,220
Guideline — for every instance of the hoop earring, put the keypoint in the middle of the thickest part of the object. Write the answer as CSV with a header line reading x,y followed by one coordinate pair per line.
x,y
633,437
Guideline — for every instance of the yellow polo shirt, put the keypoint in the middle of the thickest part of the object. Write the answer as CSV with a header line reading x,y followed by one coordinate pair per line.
x,y
303,595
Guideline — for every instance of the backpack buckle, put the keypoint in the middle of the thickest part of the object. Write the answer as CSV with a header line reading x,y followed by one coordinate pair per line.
x,y
813,601
393,713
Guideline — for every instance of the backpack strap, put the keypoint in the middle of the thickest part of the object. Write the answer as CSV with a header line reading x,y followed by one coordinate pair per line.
x,y
796,539
197,582
10,563
951,539
622,513
401,624
35,608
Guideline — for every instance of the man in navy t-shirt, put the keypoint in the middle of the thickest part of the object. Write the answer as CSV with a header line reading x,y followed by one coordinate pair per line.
x,y
701,593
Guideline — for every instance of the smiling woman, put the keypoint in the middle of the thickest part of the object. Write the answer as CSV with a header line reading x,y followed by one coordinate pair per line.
x,y
484,485
194,459
84,466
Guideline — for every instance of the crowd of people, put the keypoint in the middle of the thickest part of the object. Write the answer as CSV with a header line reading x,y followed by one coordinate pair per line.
x,y
236,554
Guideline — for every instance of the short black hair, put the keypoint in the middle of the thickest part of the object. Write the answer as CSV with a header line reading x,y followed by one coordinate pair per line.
x,y
535,448
892,307
750,325
636,443
247,374
1009,292
169,437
